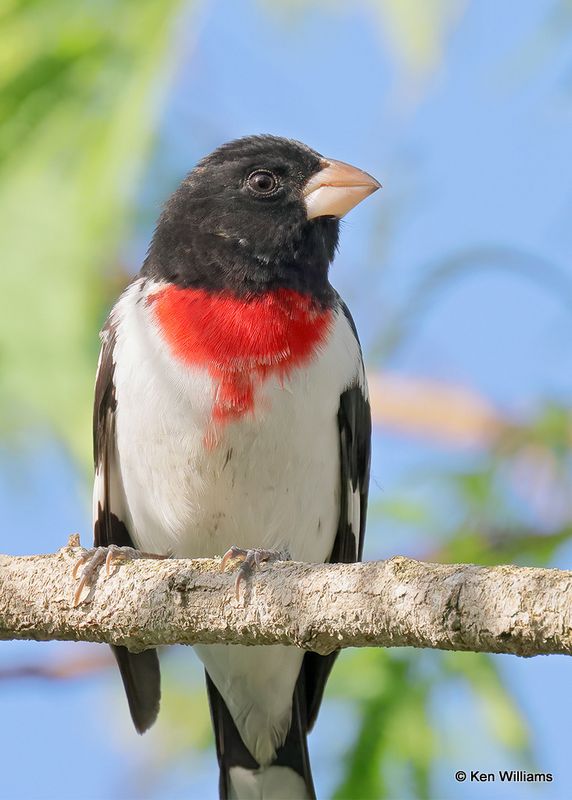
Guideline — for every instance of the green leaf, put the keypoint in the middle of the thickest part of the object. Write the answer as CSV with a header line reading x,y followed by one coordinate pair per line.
x,y
79,105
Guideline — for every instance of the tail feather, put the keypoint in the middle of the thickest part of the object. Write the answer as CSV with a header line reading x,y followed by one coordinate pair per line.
x,y
142,681
230,749
241,778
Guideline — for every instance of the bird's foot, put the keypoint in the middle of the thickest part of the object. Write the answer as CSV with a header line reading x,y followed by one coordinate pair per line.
x,y
95,557
250,561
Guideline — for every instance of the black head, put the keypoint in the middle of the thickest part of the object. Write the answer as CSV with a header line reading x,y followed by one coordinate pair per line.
x,y
246,220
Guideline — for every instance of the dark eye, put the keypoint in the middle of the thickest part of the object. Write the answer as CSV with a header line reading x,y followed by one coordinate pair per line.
x,y
262,182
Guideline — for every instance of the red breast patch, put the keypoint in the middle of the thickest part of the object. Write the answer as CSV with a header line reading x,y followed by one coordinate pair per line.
x,y
240,341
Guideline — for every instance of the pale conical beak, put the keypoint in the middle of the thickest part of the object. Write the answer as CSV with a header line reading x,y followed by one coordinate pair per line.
x,y
336,189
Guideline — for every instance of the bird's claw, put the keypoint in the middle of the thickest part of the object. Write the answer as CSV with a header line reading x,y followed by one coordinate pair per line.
x,y
250,561
95,557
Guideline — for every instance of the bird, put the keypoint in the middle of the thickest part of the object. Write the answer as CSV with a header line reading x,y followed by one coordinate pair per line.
x,y
231,418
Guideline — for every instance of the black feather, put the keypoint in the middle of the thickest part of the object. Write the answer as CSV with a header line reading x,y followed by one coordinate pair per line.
x,y
141,678
230,749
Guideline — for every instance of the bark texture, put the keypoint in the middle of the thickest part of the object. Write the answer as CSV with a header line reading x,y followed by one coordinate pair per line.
x,y
394,603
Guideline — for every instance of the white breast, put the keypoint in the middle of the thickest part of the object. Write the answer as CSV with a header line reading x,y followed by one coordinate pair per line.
x,y
271,479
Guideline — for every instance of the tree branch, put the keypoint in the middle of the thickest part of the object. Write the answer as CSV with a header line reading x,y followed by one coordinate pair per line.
x,y
399,602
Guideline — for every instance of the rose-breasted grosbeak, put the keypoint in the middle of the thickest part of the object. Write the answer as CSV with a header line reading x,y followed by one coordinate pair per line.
x,y
231,409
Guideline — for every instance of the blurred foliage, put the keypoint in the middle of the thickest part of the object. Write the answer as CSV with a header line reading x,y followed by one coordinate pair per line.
x,y
395,743
399,734
417,32
80,88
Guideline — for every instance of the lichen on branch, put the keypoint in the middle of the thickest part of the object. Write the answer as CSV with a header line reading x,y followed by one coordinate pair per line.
x,y
321,607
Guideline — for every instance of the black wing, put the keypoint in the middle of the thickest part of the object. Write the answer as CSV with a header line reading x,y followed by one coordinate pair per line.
x,y
139,671
354,426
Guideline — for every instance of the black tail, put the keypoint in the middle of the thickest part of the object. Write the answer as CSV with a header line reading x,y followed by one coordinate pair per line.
x,y
232,752
142,681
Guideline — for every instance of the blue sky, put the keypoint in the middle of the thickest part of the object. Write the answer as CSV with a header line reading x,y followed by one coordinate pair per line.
x,y
479,165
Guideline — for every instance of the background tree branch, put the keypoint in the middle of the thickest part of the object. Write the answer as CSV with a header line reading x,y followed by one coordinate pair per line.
x,y
399,602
